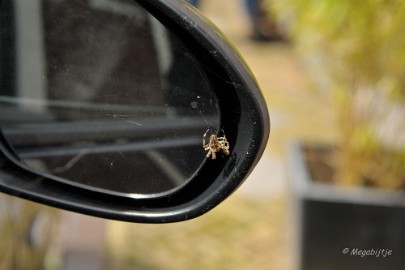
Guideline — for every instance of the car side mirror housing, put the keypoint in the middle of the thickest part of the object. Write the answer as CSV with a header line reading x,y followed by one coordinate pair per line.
x,y
138,111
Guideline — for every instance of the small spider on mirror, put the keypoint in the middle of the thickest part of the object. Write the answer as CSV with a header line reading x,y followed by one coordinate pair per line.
x,y
215,145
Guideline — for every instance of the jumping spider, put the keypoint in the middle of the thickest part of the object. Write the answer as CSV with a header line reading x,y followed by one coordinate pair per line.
x,y
215,145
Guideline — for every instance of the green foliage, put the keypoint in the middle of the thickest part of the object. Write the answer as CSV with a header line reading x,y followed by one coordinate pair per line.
x,y
358,47
357,39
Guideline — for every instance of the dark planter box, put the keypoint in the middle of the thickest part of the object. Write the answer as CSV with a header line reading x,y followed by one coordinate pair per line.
x,y
343,228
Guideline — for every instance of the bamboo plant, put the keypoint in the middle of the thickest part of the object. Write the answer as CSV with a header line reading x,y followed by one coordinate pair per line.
x,y
356,51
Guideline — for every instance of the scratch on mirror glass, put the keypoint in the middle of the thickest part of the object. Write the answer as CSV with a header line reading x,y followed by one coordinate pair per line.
x,y
70,163
136,123
119,115
173,173
121,154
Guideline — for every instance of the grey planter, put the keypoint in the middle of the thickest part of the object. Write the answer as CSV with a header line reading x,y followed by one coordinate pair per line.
x,y
343,228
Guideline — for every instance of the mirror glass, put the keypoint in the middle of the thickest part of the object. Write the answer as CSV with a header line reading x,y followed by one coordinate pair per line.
x,y
100,93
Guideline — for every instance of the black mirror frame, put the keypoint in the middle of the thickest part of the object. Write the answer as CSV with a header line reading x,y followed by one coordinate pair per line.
x,y
244,117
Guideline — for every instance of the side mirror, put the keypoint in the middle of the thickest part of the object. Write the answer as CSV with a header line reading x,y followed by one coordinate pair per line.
x,y
129,110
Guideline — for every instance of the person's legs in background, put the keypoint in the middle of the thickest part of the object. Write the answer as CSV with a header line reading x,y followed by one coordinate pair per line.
x,y
194,2
263,26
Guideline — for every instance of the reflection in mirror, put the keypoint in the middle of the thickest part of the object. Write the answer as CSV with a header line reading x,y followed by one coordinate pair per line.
x,y
100,93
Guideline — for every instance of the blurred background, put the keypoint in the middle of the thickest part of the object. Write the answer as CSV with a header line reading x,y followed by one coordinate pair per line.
x,y
332,72
250,230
